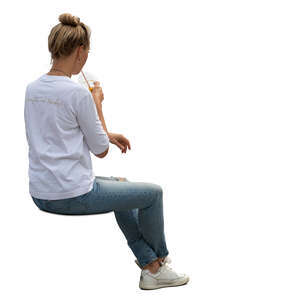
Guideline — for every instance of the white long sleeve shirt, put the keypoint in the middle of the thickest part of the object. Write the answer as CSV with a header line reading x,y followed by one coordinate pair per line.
x,y
62,127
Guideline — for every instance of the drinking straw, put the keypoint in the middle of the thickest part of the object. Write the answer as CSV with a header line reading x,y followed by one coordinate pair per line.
x,y
90,88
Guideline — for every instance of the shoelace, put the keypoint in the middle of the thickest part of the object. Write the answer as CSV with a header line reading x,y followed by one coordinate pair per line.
x,y
167,260
165,264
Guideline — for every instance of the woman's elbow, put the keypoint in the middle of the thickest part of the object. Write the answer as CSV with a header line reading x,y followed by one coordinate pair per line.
x,y
103,154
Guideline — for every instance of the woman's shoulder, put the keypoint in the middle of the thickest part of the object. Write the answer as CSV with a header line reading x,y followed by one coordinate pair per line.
x,y
80,91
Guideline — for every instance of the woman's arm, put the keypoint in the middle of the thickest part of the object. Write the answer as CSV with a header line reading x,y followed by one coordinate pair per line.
x,y
98,97
101,117
114,138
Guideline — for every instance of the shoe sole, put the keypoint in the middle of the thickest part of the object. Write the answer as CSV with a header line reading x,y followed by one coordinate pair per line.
x,y
162,285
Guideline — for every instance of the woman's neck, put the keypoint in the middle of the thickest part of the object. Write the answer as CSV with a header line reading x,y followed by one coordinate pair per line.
x,y
57,71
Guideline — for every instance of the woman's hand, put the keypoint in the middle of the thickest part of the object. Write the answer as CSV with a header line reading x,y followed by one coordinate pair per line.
x,y
120,141
97,93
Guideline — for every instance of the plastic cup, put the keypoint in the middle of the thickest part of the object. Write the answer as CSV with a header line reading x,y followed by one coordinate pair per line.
x,y
90,77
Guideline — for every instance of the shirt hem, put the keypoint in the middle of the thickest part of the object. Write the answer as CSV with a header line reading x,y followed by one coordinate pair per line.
x,y
59,196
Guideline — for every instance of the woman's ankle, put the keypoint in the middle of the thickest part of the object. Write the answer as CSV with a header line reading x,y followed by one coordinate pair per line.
x,y
153,266
161,259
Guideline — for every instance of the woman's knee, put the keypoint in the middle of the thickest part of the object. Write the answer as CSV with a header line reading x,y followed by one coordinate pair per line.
x,y
158,191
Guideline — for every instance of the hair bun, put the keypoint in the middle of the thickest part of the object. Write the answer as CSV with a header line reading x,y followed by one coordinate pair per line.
x,y
68,19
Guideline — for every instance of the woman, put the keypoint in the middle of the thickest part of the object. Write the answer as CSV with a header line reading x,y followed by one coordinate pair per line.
x,y
64,123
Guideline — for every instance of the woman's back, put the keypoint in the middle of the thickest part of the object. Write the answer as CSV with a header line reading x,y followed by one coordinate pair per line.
x,y
62,126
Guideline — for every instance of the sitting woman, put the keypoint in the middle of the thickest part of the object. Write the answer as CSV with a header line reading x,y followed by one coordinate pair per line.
x,y
64,123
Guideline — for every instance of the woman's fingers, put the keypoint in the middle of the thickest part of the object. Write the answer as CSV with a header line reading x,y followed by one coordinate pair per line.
x,y
120,141
127,142
122,178
120,146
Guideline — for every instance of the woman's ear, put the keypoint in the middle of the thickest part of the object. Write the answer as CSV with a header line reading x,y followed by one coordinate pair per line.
x,y
79,51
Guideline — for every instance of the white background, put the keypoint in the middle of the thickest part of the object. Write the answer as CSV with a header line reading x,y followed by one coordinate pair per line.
x,y
207,92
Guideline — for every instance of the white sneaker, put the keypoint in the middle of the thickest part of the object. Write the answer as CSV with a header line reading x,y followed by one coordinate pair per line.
x,y
164,277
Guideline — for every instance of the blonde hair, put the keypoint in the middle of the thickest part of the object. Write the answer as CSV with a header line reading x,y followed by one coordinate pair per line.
x,y
67,35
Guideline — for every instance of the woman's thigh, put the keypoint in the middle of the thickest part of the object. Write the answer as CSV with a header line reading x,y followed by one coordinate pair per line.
x,y
118,195
108,194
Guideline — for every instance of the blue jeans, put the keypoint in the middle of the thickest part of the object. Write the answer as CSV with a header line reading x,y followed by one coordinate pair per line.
x,y
137,206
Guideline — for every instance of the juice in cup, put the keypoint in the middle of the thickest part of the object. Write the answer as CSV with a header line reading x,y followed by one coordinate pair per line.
x,y
90,77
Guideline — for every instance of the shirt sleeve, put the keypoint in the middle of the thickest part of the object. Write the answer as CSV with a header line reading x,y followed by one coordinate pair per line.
x,y
90,124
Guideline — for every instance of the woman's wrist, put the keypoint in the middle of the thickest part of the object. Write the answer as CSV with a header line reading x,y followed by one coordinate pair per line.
x,y
109,134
